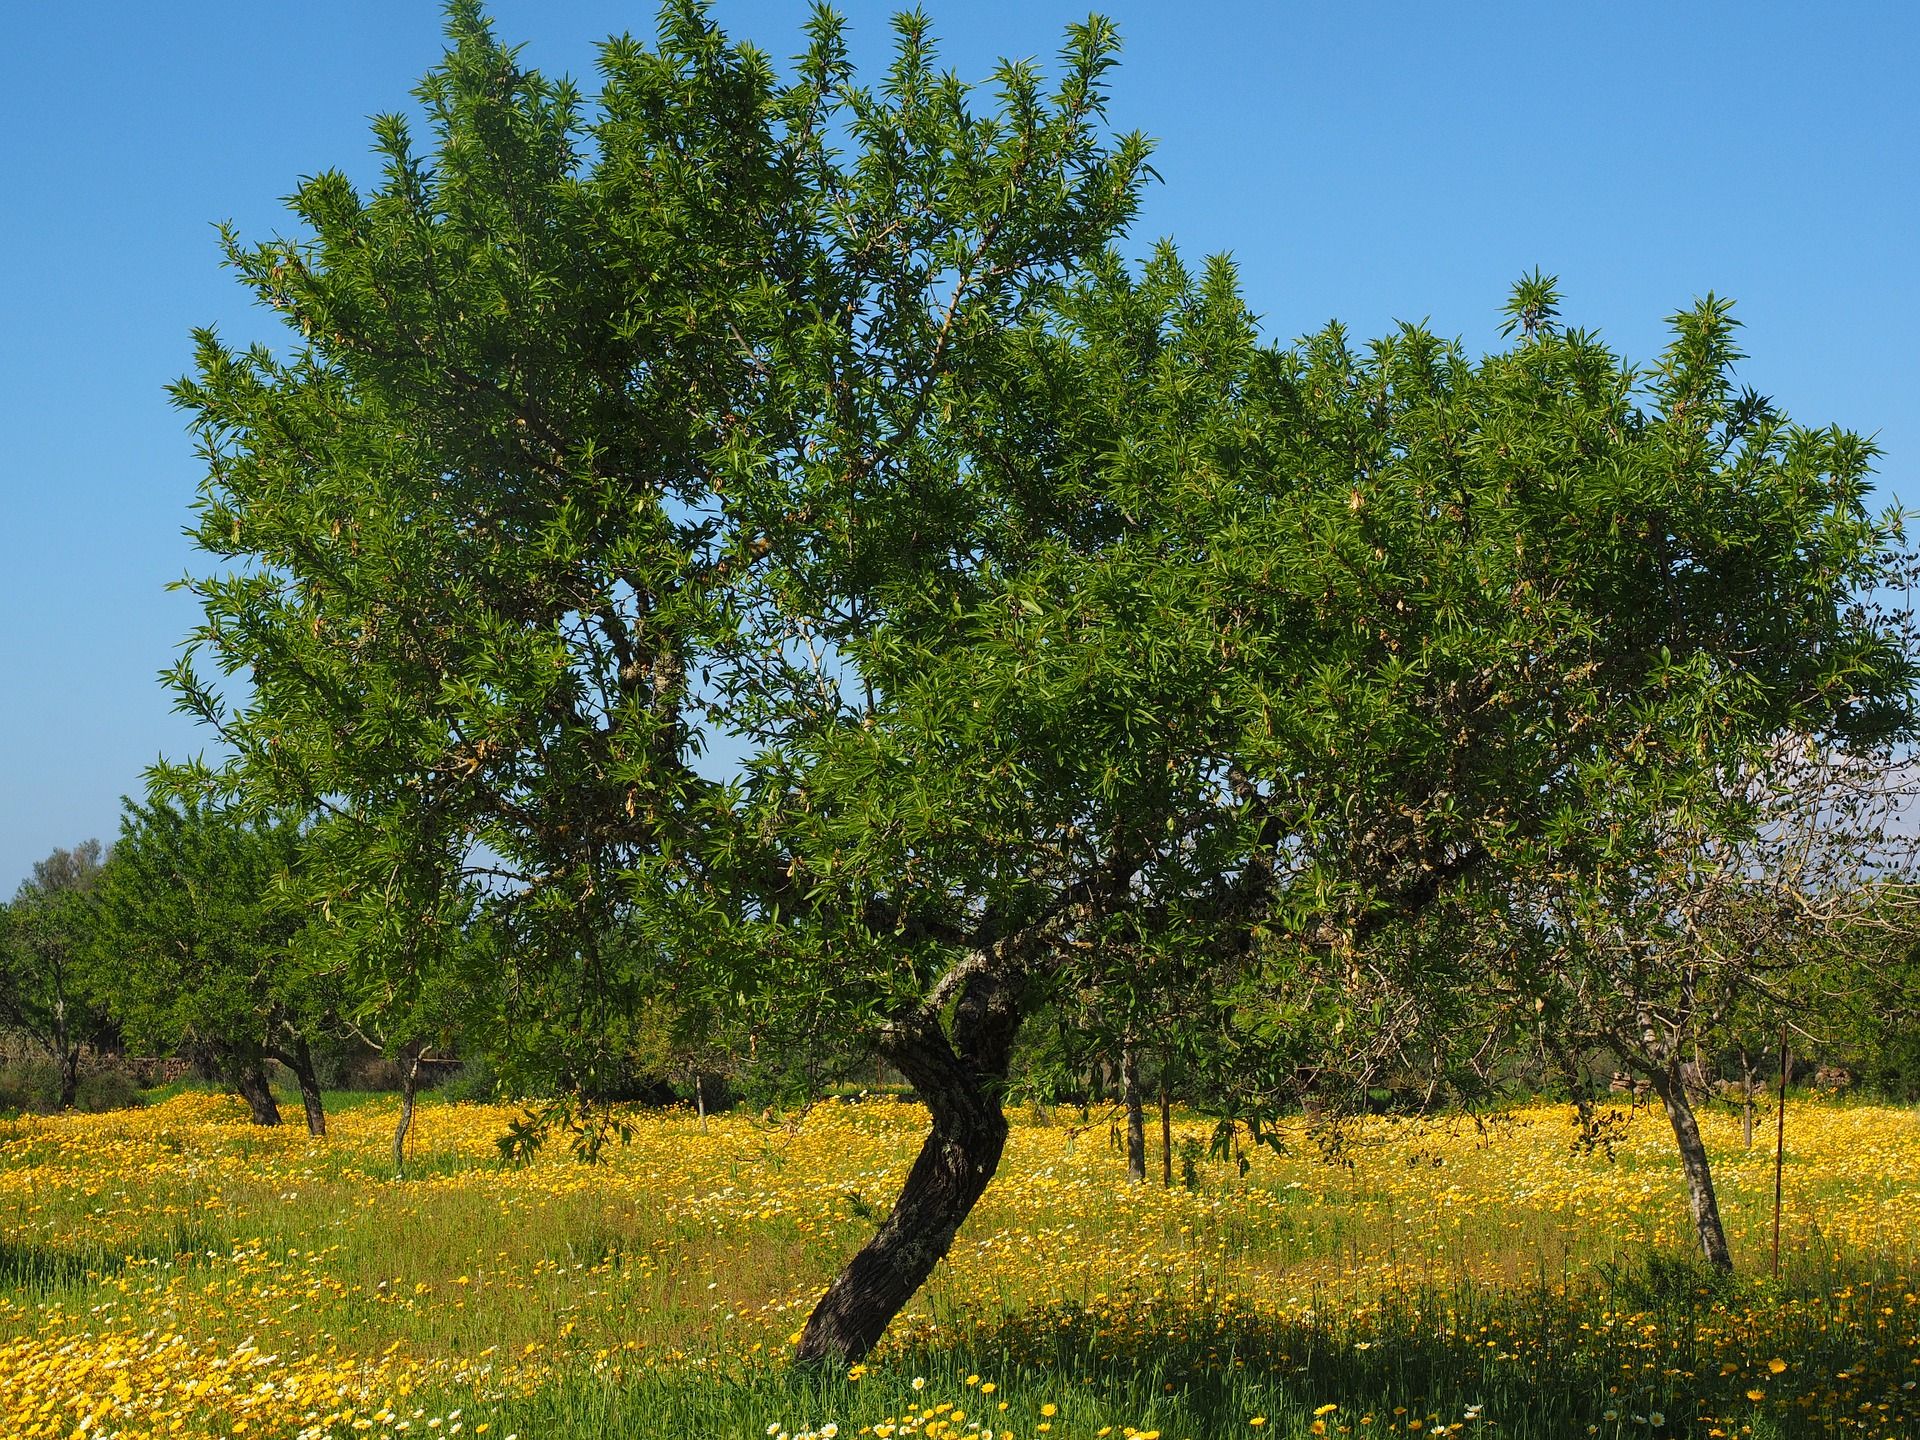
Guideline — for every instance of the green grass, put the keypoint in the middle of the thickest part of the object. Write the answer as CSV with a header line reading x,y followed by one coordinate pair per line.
x,y
1594,1363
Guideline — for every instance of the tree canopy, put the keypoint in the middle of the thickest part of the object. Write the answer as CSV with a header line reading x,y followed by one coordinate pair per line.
x,y
49,991
197,924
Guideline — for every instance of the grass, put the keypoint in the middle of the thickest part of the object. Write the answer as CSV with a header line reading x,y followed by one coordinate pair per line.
x,y
175,1265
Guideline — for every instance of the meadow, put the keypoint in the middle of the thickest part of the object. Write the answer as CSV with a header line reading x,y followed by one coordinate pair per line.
x,y
173,1270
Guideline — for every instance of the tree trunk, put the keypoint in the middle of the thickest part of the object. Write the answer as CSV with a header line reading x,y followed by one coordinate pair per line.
x,y
700,1099
1669,1085
250,1079
69,1076
960,1077
66,1052
409,1083
299,1059
1136,1113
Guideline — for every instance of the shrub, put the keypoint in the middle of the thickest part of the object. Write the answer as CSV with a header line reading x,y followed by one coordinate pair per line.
x,y
108,1088
473,1081
29,1083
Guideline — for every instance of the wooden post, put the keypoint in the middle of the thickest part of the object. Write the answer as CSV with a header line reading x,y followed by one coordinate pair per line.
x,y
1747,1078
1166,1133
1779,1150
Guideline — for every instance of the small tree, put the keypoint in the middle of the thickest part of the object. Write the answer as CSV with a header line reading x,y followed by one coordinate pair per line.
x,y
198,922
1706,922
48,990
1865,1010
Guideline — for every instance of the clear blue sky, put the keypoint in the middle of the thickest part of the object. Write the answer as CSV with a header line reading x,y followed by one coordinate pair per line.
x,y
1367,162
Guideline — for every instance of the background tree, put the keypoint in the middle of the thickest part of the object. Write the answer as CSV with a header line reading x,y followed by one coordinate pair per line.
x,y
1868,1013
49,993
422,985
198,919
1058,620
1720,922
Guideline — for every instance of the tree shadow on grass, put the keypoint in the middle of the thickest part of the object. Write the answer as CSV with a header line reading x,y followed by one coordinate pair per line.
x,y
1194,1365
1636,1352
1657,1346
1521,1365
35,1269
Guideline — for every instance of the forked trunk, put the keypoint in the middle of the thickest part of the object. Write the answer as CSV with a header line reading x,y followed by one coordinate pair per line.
x,y
298,1059
1136,1114
960,1079
309,1090
1669,1085
250,1079
310,1099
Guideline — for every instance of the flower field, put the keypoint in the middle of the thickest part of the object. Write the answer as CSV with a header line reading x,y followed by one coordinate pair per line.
x,y
177,1271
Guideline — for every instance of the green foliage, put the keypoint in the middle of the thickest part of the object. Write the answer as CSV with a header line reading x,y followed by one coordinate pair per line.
x,y
474,1082
1666,1283
48,988
30,1083
108,1087
1864,1008
197,923
34,1084
556,490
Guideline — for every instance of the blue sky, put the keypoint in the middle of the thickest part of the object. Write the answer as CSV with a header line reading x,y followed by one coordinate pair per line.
x,y
1367,162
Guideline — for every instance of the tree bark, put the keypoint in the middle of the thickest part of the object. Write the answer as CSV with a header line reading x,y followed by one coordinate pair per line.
x,y
409,1083
960,1077
1670,1086
1136,1114
298,1058
250,1079
69,1076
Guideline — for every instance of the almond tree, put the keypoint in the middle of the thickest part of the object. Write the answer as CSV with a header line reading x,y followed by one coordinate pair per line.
x,y
48,990
761,516
1715,917
197,926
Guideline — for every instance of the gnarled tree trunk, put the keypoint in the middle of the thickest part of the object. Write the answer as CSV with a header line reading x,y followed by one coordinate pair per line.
x,y
250,1079
960,1077
298,1058
1670,1085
